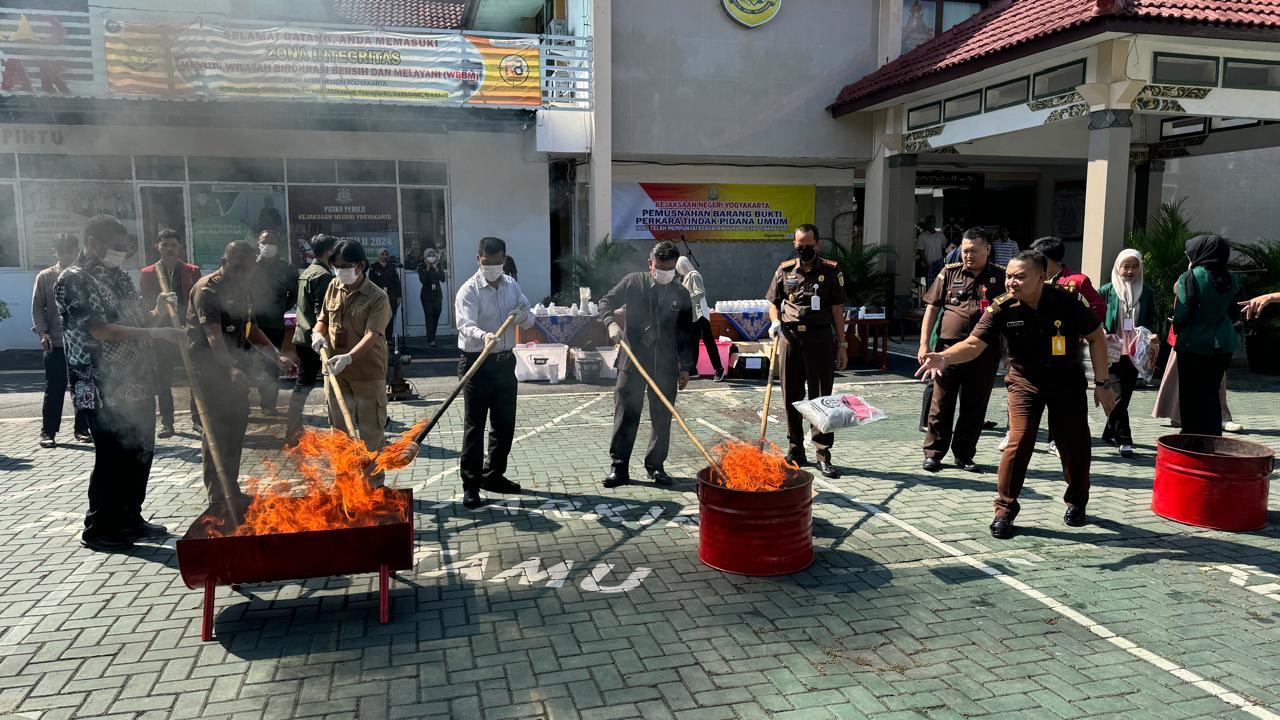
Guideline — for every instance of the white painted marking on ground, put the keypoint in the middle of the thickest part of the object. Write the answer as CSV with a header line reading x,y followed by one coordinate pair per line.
x,y
1240,575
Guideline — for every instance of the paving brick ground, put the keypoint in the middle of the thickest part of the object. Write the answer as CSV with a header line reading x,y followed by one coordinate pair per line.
x,y
574,602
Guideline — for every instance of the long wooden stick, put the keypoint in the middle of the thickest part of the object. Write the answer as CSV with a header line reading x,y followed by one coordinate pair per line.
x,y
225,479
672,409
330,381
466,378
768,392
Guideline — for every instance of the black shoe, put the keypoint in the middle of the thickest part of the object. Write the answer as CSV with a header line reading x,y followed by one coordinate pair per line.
x,y
1002,528
799,460
198,428
166,431
923,429
501,486
431,344
660,476
719,376
968,466
145,529
84,437
1075,517
117,542
827,469
47,441
931,465
616,478
989,425
471,499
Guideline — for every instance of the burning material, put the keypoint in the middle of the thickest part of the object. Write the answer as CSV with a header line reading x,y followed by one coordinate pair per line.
x,y
400,453
748,467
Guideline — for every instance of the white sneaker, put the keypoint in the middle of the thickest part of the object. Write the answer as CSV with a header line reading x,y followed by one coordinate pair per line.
x,y
1232,426
1053,449
1004,442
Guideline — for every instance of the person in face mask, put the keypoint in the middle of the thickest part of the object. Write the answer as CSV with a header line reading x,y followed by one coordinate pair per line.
x,y
659,329
312,285
806,304
432,276
274,291
108,339
179,276
351,326
483,303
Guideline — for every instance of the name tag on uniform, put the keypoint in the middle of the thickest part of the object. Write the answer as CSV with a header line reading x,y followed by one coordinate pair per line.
x,y
1128,324
1059,345
815,303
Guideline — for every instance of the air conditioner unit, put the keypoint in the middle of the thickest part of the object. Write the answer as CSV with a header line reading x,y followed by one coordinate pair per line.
x,y
558,27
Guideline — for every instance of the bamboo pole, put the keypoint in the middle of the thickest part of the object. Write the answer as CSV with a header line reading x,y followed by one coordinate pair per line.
x,y
768,391
466,378
672,409
225,479
329,380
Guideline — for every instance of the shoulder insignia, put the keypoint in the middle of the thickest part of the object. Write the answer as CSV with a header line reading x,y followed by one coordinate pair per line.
x,y
952,266
788,263
999,267
840,277
832,263
1000,300
1069,288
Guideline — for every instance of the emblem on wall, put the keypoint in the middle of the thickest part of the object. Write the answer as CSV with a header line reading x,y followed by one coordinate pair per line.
x,y
751,13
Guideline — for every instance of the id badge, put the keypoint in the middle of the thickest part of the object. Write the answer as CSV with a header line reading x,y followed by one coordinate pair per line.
x,y
815,303
1059,345
1128,324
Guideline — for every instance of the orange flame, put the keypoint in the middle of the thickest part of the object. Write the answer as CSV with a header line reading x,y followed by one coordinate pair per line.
x,y
748,467
398,454
335,490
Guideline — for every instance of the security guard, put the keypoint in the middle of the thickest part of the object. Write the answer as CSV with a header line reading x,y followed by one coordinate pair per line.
x,y
960,294
806,304
1043,326
222,337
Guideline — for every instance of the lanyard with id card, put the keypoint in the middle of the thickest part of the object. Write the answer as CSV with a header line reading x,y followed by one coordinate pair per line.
x,y
1059,342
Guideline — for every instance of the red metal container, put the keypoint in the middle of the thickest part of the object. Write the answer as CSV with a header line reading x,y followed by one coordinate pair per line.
x,y
756,533
1212,482
207,561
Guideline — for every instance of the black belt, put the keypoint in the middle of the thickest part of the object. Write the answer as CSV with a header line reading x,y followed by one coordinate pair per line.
x,y
806,327
501,356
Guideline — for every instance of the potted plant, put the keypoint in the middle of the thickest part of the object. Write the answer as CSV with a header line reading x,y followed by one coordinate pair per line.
x,y
865,282
1258,267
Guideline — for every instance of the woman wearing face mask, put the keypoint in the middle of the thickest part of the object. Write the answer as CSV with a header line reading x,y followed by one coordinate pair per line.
x,y
1130,305
350,326
693,282
432,277
1203,318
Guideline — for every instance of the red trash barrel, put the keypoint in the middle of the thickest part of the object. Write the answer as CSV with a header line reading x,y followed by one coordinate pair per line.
x,y
756,533
1212,482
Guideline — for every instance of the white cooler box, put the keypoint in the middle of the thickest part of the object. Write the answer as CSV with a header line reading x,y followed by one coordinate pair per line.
x,y
548,361
595,365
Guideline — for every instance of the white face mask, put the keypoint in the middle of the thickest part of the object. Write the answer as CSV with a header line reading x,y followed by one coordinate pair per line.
x,y
347,276
267,251
431,259
664,276
113,258
491,272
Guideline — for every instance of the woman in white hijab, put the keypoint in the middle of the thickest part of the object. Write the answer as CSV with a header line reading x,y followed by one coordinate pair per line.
x,y
693,282
1130,306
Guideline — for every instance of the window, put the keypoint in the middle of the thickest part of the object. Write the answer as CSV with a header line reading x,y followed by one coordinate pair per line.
x,y
9,229
77,167
1059,80
1185,70
7,165
211,169
367,171
1007,94
1251,74
413,172
160,168
924,116
963,106
1181,127
922,20
312,171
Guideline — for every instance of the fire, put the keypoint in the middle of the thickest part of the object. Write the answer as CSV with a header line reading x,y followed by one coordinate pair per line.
x,y
335,490
748,467
398,454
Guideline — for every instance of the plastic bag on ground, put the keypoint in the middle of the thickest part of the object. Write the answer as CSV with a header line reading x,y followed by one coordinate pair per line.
x,y
834,412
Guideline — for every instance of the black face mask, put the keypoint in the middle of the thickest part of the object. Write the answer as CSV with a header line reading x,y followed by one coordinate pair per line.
x,y
806,253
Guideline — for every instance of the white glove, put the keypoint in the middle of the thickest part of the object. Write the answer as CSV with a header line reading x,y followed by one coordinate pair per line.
x,y
168,334
490,338
775,328
615,333
338,363
166,300
521,316
318,341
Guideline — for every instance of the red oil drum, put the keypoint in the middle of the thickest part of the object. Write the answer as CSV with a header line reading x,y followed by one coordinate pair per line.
x,y
1212,482
756,533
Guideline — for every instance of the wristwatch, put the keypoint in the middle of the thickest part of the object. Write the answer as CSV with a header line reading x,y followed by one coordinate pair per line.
x,y
1104,383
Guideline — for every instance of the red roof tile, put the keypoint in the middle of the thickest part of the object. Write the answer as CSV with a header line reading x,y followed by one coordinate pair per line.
x,y
435,14
1010,23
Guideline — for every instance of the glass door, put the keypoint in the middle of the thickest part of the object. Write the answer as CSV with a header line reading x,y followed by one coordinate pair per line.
x,y
424,226
164,207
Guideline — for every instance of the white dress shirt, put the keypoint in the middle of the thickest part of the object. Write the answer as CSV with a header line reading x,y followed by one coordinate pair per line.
x,y
482,308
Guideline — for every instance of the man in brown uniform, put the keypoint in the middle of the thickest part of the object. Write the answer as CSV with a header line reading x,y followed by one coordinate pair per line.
x,y
1043,326
222,338
960,294
351,325
806,304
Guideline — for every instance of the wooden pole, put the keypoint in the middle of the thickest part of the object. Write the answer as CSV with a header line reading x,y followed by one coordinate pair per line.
x,y
337,393
768,391
466,378
230,484
672,409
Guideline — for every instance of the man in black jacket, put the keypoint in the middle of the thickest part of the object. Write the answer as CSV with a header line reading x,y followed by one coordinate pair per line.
x,y
659,318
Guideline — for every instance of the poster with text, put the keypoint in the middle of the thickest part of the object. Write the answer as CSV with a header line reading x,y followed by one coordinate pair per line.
x,y
667,211
354,212
52,207
225,212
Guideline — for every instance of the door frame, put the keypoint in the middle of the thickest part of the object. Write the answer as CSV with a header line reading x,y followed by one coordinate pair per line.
x,y
186,214
447,309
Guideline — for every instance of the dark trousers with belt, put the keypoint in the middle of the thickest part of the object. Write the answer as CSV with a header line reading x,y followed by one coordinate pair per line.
x,y
55,393
1069,412
269,371
1199,377
1117,429
166,359
628,402
807,364
227,407
490,396
124,439
969,385
432,303
702,334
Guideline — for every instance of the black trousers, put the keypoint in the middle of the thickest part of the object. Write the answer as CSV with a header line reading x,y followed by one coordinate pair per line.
x,y
1117,429
308,367
490,396
123,442
1199,376
807,365
432,303
629,395
269,372
702,334
926,402
167,358
969,385
55,393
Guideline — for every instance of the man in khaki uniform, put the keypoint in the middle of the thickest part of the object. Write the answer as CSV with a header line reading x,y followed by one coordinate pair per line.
x,y
351,325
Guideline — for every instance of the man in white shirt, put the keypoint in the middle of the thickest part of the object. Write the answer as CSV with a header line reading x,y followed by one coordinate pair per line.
x,y
483,303
931,242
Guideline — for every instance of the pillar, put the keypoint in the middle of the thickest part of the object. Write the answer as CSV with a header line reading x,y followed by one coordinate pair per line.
x,y
889,218
1106,191
601,200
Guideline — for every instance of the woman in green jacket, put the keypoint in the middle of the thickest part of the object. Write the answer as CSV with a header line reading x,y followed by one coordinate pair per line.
x,y
1130,305
1204,319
